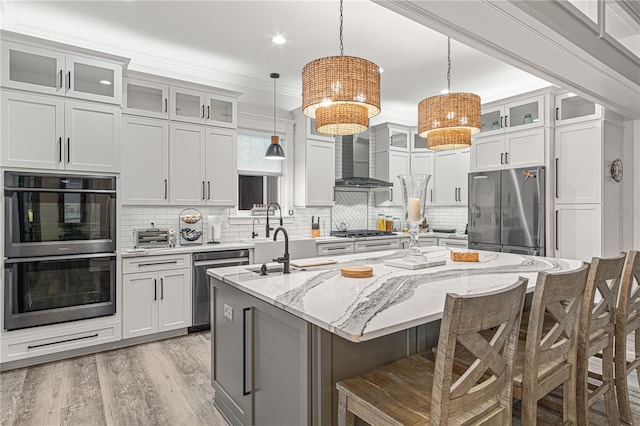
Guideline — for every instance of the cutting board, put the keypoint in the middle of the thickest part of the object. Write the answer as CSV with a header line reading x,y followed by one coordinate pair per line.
x,y
309,263
356,271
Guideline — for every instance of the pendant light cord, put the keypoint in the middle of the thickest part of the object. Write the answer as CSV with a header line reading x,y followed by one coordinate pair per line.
x,y
274,105
341,45
449,64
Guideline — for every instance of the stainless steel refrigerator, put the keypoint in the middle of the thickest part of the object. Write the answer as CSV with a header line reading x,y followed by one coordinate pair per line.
x,y
506,211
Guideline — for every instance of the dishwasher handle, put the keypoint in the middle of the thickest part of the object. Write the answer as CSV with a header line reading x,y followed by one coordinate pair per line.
x,y
221,263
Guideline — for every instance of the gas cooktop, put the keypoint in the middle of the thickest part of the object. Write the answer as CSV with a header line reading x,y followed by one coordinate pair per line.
x,y
359,233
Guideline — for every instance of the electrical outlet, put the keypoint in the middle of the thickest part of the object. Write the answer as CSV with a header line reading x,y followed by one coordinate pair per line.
x,y
228,312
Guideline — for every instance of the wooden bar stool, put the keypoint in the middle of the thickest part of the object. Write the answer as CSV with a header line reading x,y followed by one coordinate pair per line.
x,y
627,322
546,355
597,330
415,390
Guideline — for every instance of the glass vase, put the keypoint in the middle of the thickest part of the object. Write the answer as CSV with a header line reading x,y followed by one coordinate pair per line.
x,y
414,194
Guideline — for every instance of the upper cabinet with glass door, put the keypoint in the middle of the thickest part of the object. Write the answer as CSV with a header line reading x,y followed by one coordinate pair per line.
x,y
418,143
145,98
513,116
199,107
49,71
392,137
573,109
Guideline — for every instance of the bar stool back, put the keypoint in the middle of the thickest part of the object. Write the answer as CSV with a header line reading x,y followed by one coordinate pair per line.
x,y
627,322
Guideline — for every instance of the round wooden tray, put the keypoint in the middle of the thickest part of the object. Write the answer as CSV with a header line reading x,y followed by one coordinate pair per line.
x,y
356,271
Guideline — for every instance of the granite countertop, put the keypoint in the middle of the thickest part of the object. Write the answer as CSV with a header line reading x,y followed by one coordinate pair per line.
x,y
131,252
393,299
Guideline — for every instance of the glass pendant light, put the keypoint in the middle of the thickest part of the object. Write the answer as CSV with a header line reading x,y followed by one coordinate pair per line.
x,y
275,151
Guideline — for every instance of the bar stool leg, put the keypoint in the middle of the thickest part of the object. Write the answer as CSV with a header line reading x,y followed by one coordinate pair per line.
x,y
569,399
610,402
345,417
529,414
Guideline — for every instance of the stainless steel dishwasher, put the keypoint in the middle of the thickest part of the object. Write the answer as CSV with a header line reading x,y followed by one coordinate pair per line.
x,y
201,309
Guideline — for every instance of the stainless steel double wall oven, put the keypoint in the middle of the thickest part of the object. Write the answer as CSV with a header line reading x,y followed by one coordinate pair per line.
x,y
60,248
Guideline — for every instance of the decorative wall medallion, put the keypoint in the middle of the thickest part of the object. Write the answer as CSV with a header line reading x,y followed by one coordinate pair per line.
x,y
616,170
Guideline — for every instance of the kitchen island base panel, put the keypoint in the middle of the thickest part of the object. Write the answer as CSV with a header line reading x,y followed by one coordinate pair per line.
x,y
291,367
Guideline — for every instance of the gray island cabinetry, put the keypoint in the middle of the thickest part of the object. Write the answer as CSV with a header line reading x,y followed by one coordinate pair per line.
x,y
281,342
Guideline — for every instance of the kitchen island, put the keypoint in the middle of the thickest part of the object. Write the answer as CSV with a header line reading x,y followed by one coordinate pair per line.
x,y
280,342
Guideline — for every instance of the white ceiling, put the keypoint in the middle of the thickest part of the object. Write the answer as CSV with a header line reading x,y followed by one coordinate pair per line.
x,y
228,44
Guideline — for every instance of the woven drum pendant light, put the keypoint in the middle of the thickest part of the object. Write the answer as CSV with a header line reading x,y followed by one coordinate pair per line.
x,y
274,151
448,121
341,92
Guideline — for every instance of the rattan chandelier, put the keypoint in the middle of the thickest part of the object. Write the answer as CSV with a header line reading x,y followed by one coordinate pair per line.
x,y
448,121
341,92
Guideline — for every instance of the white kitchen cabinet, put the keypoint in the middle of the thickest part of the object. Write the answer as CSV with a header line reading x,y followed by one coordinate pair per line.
x,y
145,161
574,109
508,151
312,133
334,248
390,164
199,107
427,241
578,231
453,243
371,244
418,143
69,135
158,298
578,163
314,166
145,98
519,114
391,137
55,72
423,163
451,169
202,165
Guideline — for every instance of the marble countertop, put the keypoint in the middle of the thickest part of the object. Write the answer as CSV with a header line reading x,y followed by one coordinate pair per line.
x,y
393,299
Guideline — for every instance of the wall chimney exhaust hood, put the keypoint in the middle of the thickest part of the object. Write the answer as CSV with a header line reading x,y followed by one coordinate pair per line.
x,y
355,165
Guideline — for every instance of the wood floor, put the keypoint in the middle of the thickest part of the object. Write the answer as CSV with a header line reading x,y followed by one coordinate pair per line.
x,y
159,383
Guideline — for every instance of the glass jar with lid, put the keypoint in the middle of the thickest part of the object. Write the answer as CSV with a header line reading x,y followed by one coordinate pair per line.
x,y
388,223
380,224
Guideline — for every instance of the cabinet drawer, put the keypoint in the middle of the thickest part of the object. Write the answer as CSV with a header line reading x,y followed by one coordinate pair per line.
x,y
427,241
43,344
373,245
155,263
334,248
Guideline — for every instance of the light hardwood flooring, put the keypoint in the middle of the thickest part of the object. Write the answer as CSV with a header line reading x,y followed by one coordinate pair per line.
x,y
159,383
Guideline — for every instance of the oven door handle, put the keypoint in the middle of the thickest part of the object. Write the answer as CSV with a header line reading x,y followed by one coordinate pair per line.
x,y
47,258
11,190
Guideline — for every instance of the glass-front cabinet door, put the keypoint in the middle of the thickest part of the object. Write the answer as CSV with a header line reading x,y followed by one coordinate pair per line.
x,y
221,111
30,68
571,109
418,143
187,105
492,120
94,79
312,133
524,114
146,98
399,139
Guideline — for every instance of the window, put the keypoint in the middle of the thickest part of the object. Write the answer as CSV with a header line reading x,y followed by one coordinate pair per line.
x,y
259,179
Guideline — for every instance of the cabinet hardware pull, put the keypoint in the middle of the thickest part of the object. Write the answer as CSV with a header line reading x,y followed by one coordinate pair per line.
x,y
203,190
557,113
378,245
506,117
63,341
556,232
68,150
502,158
557,174
501,119
155,289
208,112
161,288
61,82
202,111
168,262
390,194
245,392
335,248
69,80
208,190
506,158
165,189
60,149
166,105
431,192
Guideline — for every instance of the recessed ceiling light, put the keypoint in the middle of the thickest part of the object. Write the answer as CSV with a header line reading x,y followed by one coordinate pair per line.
x,y
105,82
444,91
279,39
